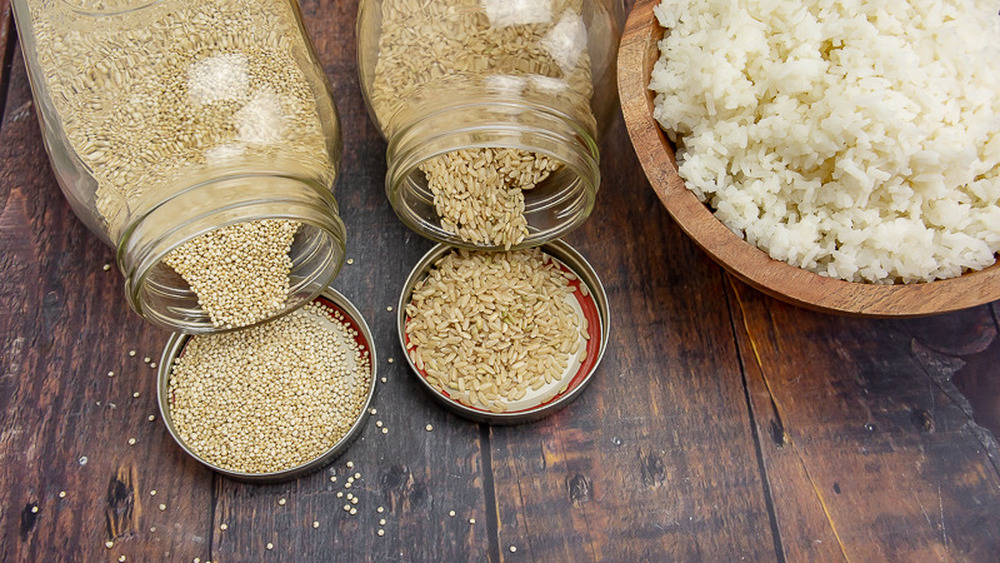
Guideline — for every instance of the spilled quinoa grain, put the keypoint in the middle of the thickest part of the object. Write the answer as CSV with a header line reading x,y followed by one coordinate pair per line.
x,y
273,396
167,96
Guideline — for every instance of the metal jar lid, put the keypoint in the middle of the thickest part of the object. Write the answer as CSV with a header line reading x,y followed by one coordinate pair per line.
x,y
352,317
590,301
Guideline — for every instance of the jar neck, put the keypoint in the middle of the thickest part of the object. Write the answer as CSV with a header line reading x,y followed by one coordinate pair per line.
x,y
161,296
557,206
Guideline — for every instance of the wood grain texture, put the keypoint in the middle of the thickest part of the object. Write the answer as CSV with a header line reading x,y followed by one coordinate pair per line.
x,y
871,451
65,423
656,461
719,426
6,48
636,57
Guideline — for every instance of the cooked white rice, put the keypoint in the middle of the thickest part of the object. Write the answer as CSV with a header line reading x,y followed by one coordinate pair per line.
x,y
859,140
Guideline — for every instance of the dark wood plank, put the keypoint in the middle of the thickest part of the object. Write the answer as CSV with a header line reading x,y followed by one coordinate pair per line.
x,y
656,461
418,477
871,451
7,42
64,324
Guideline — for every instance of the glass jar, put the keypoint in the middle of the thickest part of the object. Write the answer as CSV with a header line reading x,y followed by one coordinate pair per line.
x,y
200,139
492,111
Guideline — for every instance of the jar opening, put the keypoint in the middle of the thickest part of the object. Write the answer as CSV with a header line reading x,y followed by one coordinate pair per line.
x,y
157,292
556,205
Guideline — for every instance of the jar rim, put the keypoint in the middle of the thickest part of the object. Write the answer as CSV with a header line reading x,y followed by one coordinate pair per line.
x,y
154,233
491,122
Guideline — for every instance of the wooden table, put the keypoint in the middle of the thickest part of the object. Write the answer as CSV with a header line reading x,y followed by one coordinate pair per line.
x,y
722,425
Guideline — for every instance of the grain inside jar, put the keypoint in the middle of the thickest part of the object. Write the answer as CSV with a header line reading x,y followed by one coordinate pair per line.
x,y
155,97
461,50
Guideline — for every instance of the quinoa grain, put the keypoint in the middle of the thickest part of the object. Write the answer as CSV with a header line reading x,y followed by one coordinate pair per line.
x,y
273,396
170,96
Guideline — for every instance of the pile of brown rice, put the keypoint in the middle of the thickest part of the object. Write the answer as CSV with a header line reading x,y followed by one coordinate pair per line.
x,y
859,140
490,328
479,193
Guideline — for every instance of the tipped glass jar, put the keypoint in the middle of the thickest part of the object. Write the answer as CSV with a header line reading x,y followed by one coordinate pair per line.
x,y
200,139
492,111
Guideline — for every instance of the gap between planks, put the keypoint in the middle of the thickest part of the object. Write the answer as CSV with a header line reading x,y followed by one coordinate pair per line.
x,y
8,39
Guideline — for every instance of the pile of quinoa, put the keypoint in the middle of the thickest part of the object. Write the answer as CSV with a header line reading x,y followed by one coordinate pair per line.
x,y
212,261
488,328
273,396
156,99
448,49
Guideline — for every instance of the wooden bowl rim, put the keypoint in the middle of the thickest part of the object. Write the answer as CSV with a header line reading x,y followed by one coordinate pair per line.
x,y
637,53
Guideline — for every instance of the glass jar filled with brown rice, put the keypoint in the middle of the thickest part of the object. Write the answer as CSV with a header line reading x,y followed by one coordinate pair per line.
x,y
492,110
200,139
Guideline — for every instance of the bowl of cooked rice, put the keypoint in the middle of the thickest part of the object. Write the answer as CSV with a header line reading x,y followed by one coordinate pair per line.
x,y
844,157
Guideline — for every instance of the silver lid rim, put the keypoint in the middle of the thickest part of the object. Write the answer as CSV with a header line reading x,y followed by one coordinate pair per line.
x,y
573,260
176,343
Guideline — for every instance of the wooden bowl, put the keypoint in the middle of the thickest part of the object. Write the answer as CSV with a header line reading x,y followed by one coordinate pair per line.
x,y
636,56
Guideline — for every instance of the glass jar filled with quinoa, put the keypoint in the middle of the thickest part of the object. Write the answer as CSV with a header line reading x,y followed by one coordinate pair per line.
x,y
200,139
492,111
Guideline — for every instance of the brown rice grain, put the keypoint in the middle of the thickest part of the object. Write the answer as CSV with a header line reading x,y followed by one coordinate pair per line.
x,y
520,345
